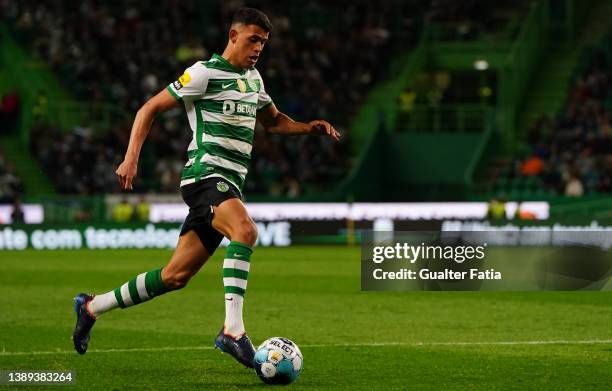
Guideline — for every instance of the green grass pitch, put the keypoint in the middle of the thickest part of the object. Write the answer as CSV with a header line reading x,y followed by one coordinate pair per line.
x,y
350,339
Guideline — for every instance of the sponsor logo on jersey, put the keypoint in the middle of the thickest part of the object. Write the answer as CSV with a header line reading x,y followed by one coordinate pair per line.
x,y
185,78
222,186
230,107
182,81
242,108
226,86
241,85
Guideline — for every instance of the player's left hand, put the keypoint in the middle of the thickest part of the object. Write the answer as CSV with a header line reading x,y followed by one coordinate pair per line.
x,y
323,128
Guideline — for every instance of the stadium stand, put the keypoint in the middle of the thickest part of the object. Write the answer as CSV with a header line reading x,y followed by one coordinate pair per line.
x,y
321,61
74,41
570,154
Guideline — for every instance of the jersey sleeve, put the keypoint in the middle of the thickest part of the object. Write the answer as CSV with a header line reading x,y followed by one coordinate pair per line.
x,y
191,84
264,99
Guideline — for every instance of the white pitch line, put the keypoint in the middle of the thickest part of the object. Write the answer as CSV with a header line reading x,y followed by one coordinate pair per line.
x,y
347,345
160,349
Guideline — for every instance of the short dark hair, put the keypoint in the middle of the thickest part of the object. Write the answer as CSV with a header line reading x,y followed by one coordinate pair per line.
x,y
254,16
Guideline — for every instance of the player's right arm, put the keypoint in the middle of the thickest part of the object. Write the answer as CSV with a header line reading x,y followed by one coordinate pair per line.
x,y
190,86
160,103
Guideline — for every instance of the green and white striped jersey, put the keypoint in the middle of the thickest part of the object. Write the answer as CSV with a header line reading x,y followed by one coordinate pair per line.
x,y
221,103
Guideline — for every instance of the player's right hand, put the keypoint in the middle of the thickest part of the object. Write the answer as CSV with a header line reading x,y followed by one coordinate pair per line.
x,y
126,173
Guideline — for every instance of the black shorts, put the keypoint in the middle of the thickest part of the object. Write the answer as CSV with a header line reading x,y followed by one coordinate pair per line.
x,y
201,196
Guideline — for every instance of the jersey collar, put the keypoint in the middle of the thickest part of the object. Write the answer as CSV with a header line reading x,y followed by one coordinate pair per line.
x,y
228,65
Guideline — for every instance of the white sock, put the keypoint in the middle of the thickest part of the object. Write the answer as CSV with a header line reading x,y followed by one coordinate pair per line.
x,y
234,324
235,274
103,303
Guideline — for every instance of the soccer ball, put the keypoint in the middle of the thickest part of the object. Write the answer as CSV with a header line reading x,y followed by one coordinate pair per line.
x,y
278,361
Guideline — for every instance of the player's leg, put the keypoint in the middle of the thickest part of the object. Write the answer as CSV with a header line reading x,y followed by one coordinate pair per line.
x,y
233,221
186,261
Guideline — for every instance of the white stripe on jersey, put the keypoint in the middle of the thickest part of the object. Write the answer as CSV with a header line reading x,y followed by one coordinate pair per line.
x,y
235,120
228,143
187,181
227,164
232,95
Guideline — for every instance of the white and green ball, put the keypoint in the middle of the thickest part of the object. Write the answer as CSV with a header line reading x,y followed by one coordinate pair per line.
x,y
278,361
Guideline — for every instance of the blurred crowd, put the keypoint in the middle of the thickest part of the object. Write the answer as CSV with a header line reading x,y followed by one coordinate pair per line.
x,y
320,61
470,20
572,152
9,111
11,186
76,162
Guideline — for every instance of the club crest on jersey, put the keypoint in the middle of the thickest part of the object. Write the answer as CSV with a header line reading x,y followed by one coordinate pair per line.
x,y
252,84
222,186
241,85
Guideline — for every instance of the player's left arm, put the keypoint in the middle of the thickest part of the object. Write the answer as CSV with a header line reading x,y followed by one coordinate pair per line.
x,y
273,121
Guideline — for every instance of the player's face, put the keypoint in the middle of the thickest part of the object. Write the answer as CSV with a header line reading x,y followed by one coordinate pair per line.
x,y
250,41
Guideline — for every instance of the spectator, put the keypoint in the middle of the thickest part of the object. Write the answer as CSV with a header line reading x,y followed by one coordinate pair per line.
x,y
533,166
574,187
9,111
17,215
11,187
122,211
496,209
142,210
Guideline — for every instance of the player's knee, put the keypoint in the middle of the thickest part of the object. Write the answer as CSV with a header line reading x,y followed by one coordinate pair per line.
x,y
247,232
177,280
